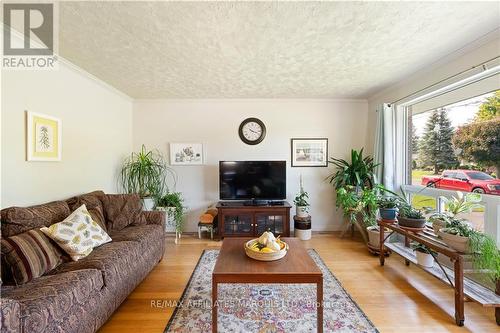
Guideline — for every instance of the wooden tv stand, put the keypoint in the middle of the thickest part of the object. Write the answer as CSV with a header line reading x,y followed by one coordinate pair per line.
x,y
239,219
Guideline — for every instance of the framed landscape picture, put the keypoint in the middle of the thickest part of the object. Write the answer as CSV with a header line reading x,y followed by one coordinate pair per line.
x,y
186,153
310,152
43,137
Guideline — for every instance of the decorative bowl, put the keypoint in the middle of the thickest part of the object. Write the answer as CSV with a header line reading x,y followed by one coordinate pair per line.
x,y
262,256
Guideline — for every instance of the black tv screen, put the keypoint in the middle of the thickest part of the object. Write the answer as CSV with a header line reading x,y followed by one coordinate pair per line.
x,y
245,180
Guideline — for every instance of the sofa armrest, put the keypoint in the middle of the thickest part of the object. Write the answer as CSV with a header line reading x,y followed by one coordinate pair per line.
x,y
155,217
11,316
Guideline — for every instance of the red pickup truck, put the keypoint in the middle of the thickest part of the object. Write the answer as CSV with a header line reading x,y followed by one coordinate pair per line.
x,y
464,180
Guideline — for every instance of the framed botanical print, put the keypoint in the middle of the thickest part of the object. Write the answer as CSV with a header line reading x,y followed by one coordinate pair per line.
x,y
310,152
43,137
186,154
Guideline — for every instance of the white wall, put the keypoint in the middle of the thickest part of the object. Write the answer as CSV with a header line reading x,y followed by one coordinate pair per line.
x,y
96,127
471,55
215,124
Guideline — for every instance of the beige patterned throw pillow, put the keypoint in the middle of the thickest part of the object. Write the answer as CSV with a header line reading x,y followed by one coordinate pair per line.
x,y
78,234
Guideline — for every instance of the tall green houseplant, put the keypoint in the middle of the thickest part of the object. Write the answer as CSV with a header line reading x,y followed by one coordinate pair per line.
x,y
358,172
145,173
356,193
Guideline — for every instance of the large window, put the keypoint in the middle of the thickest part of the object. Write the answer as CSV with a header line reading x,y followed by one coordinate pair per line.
x,y
455,146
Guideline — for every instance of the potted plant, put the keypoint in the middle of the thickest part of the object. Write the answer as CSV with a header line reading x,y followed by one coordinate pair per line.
x,y
461,203
454,206
359,204
439,221
486,258
457,234
356,194
301,204
411,217
374,235
358,172
172,204
388,207
145,173
425,255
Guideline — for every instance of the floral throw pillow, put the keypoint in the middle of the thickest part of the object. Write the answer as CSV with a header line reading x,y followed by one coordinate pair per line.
x,y
78,234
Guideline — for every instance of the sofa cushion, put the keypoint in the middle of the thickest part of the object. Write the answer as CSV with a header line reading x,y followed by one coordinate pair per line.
x,y
115,260
93,204
49,298
29,255
78,234
121,210
16,220
145,235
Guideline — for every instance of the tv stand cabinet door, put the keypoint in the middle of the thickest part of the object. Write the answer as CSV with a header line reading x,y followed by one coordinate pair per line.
x,y
236,223
277,221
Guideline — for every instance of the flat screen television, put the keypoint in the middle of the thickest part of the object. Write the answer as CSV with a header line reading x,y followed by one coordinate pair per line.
x,y
252,180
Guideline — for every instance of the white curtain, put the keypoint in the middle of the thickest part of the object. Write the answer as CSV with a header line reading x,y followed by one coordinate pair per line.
x,y
385,146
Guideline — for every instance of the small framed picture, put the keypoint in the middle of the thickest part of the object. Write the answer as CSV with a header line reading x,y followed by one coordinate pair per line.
x,y
186,154
310,152
43,137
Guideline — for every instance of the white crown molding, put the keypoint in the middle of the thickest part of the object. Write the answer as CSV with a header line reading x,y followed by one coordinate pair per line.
x,y
249,100
95,79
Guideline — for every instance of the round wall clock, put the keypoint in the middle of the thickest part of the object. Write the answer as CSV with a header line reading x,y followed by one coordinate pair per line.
x,y
252,131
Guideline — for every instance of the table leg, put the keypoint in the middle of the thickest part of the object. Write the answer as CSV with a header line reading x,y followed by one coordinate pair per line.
x,y
381,243
497,309
214,305
407,244
319,300
459,292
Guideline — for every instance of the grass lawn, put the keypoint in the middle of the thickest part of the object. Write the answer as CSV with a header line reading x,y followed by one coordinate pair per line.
x,y
417,174
420,201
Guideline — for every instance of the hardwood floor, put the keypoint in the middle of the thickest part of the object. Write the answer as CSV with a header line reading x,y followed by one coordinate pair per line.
x,y
396,298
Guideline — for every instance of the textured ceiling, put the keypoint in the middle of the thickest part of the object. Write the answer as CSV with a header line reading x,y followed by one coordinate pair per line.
x,y
264,49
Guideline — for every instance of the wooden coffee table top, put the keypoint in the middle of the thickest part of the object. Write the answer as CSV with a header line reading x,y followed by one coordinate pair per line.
x,y
233,261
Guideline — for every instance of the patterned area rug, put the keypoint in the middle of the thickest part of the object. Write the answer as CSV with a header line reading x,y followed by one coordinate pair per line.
x,y
265,308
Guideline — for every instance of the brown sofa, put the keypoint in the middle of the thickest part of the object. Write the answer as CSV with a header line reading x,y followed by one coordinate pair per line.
x,y
80,296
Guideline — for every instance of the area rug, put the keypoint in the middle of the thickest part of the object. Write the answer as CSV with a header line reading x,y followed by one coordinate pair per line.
x,y
265,308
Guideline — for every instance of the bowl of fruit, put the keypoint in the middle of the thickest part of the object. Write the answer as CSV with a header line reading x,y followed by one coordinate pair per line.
x,y
266,247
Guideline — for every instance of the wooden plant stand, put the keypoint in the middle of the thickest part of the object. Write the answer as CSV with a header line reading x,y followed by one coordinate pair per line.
x,y
463,286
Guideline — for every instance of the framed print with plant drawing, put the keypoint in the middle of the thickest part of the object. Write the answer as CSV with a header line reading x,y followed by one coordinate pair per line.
x,y
186,154
310,152
43,137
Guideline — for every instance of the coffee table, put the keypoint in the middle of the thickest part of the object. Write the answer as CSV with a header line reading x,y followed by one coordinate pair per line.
x,y
234,266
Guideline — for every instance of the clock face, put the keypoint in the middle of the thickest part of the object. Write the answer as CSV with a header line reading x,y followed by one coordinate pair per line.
x,y
252,131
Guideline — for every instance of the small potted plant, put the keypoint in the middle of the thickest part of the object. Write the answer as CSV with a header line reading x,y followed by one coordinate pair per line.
x,y
172,204
388,207
457,234
439,221
425,255
301,203
374,235
411,217
455,205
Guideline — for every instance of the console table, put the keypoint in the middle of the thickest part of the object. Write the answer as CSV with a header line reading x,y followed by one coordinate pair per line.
x,y
237,219
462,286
